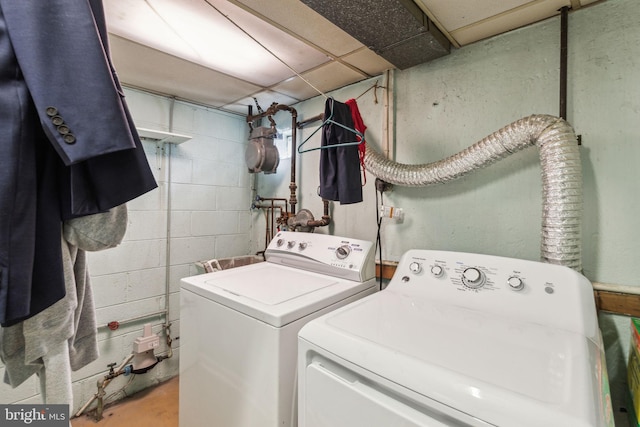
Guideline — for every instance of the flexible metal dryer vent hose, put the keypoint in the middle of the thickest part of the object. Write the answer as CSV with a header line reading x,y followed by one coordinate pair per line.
x,y
561,177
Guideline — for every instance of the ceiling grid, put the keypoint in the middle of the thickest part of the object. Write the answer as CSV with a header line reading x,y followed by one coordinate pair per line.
x,y
199,50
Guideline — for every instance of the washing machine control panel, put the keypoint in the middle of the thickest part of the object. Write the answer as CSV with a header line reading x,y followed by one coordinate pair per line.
x,y
332,255
462,275
518,289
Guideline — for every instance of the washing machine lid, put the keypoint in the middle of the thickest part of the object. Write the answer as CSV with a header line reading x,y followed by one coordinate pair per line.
x,y
499,371
273,293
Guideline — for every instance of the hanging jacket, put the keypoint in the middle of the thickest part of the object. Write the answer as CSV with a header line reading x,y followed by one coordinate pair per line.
x,y
339,166
69,144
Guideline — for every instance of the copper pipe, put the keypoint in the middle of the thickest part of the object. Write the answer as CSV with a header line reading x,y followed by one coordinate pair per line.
x,y
326,219
261,199
270,215
310,120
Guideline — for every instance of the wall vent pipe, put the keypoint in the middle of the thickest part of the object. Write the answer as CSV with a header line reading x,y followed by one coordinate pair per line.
x,y
561,177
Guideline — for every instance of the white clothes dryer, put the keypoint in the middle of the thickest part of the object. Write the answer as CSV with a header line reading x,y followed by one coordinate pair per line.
x,y
459,339
239,327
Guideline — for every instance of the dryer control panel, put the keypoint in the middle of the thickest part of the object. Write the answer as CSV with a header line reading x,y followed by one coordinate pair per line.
x,y
518,289
336,256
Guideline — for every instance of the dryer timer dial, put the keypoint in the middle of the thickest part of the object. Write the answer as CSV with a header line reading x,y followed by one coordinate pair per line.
x,y
473,278
343,251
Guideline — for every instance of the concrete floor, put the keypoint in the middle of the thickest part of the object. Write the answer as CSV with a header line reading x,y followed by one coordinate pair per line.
x,y
152,407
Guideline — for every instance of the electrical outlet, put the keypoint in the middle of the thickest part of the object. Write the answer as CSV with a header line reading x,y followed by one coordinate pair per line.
x,y
392,213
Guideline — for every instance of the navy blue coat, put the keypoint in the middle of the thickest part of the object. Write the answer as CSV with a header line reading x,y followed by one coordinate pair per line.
x,y
68,147
339,166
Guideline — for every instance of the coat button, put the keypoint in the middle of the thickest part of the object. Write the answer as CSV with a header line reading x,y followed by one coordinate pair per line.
x,y
69,138
63,129
57,120
51,111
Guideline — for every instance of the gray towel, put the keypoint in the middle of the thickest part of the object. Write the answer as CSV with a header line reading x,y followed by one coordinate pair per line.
x,y
69,325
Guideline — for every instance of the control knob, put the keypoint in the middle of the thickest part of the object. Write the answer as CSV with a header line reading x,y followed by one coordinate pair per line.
x,y
515,283
280,242
415,267
473,278
291,244
437,270
343,251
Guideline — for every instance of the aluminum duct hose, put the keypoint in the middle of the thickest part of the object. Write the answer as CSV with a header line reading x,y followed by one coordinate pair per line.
x,y
561,177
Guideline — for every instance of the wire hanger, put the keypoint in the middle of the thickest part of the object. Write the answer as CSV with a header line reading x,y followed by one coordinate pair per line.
x,y
326,121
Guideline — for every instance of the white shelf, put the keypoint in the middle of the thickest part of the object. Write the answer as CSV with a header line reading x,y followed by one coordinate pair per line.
x,y
161,136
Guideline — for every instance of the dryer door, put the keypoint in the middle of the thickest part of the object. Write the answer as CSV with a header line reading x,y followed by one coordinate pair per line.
x,y
334,396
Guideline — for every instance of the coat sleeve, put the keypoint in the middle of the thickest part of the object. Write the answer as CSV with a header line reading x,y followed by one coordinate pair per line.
x,y
64,58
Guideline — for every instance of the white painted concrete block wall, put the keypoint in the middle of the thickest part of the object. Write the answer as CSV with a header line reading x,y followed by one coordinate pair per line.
x,y
210,218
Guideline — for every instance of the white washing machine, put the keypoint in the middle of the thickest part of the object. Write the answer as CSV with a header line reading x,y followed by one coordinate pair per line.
x,y
239,327
459,339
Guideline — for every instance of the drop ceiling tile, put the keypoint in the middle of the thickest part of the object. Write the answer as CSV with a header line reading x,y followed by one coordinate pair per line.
x,y
300,19
296,87
194,30
516,18
293,51
453,14
326,78
367,61
166,74
126,17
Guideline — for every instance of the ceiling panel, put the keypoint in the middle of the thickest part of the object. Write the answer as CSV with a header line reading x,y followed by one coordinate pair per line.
x,y
465,22
367,61
324,79
147,68
454,14
223,53
199,32
508,20
298,18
